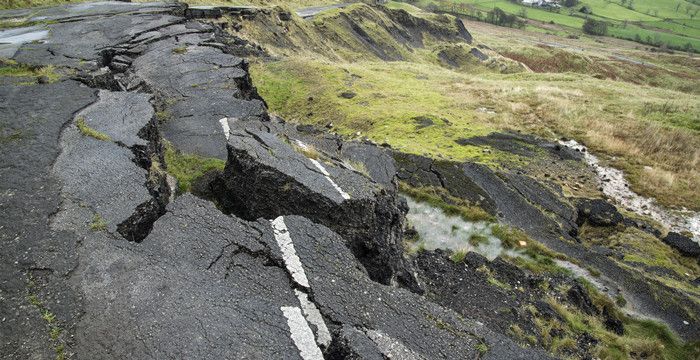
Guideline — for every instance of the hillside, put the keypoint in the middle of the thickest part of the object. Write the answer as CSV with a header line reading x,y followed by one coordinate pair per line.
x,y
668,23
316,179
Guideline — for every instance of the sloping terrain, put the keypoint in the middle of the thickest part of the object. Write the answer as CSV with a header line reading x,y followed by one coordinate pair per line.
x,y
455,135
153,207
103,259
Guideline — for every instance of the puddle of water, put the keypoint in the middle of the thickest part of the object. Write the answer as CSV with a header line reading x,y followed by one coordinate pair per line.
x,y
616,187
12,39
23,35
440,231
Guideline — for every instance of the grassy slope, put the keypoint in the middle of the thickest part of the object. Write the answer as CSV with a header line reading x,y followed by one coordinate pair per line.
x,y
617,118
651,13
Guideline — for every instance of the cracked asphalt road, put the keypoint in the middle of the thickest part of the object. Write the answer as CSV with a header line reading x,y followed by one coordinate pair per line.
x,y
98,262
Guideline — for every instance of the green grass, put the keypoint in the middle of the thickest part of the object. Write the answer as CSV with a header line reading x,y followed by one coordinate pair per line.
x,y
98,223
187,168
640,247
88,131
482,348
640,336
621,18
52,324
476,240
10,136
18,22
675,26
458,256
393,93
495,282
11,68
631,31
572,96
180,50
538,258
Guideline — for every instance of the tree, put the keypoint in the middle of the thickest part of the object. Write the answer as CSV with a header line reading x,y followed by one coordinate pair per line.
x,y
501,18
595,27
570,3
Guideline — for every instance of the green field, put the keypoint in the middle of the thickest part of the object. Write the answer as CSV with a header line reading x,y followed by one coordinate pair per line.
x,y
670,23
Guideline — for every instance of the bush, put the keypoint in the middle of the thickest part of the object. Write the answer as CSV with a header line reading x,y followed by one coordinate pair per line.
x,y
595,27
501,18
570,3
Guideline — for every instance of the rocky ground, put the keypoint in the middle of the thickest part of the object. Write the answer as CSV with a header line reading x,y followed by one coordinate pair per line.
x,y
293,250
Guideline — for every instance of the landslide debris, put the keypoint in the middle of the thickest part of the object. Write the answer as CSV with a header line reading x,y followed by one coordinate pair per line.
x,y
370,216
194,282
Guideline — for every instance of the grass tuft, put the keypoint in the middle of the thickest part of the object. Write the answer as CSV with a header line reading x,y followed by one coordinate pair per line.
x,y
307,150
45,74
163,116
458,256
187,168
88,131
482,348
98,223
180,50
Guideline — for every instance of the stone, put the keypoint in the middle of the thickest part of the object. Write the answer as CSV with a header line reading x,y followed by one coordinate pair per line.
x,y
578,296
683,244
597,212
347,95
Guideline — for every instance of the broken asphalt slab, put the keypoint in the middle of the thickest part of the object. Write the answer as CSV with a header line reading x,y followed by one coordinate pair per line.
x,y
200,284
264,166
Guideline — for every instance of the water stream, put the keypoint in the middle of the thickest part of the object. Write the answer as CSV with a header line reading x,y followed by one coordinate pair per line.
x,y
616,187
438,230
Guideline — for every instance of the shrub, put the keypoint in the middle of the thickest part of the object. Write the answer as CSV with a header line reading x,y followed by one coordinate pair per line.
x,y
595,27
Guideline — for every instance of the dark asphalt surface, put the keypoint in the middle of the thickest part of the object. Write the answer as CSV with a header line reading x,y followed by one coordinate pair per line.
x,y
98,263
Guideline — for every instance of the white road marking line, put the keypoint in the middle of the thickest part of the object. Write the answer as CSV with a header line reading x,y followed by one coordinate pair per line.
x,y
392,349
325,173
318,165
289,254
302,336
312,314
224,125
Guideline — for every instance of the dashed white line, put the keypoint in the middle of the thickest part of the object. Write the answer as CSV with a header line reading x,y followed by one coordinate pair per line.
x,y
289,254
325,173
225,127
320,167
312,314
392,349
302,336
